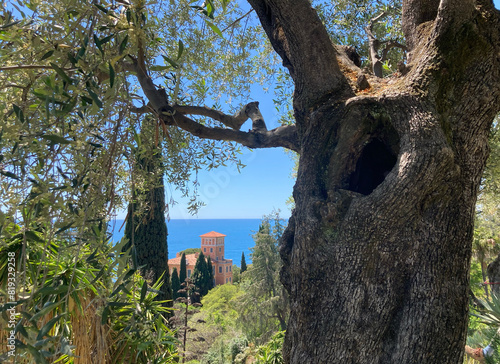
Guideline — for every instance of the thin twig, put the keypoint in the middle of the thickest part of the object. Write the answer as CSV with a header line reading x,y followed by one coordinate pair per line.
x,y
237,20
32,67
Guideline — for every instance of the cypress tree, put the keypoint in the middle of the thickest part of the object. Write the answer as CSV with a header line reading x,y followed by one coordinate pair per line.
x,y
183,269
211,278
201,276
243,263
145,227
176,284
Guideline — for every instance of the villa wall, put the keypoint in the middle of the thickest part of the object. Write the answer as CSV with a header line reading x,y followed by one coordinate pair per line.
x,y
212,245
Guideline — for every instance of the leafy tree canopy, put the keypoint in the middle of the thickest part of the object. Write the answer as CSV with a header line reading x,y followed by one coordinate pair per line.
x,y
264,305
221,305
190,251
71,104
72,99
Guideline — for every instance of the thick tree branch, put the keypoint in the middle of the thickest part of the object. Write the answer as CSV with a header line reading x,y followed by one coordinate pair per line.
x,y
129,67
299,37
145,109
235,122
283,136
258,137
415,13
374,45
418,15
390,44
156,96
452,14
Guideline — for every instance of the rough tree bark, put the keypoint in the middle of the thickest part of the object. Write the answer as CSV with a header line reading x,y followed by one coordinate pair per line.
x,y
376,253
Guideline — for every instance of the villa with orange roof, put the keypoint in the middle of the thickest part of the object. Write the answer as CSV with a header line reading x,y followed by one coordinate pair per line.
x,y
212,245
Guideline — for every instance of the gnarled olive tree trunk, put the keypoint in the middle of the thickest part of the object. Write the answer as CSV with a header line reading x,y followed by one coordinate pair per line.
x,y
377,250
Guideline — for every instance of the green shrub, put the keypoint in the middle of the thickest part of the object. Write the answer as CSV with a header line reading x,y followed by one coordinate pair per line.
x,y
271,352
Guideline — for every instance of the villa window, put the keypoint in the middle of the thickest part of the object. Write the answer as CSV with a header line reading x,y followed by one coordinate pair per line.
x,y
211,250
227,270
230,268
220,249
230,279
204,250
189,273
220,269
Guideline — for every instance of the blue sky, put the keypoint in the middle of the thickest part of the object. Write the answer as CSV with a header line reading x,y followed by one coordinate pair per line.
x,y
263,185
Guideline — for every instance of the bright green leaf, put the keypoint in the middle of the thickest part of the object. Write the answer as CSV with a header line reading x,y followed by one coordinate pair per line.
x,y
47,55
40,93
33,236
49,306
111,75
210,9
61,73
214,28
181,49
94,97
48,326
98,43
173,63
123,44
101,8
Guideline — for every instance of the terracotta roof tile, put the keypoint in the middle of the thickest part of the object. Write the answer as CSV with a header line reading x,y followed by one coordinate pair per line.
x,y
190,260
212,234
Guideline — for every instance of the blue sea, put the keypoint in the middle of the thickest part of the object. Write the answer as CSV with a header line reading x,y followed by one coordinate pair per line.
x,y
184,233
